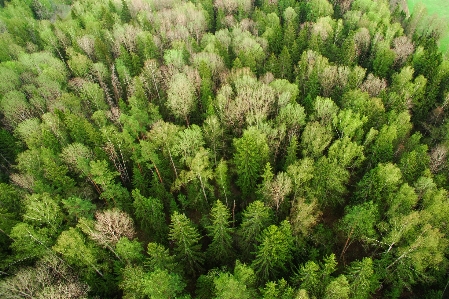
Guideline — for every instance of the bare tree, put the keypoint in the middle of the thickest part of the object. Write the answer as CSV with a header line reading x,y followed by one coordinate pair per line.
x,y
373,85
403,47
111,225
50,278
438,158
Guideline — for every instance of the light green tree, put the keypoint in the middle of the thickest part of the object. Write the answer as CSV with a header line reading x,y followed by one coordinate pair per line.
x,y
362,279
337,288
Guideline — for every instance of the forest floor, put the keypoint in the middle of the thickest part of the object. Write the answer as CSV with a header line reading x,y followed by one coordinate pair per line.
x,y
440,8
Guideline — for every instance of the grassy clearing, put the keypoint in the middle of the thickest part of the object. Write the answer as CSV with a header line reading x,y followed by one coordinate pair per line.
x,y
440,8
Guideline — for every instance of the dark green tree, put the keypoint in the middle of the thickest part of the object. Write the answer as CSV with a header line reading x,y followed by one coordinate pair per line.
x,y
221,233
274,252
255,219
251,154
186,240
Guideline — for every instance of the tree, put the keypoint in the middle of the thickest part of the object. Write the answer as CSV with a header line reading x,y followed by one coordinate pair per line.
x,y
111,226
160,284
102,176
304,215
337,288
318,8
51,277
186,239
383,60
285,64
251,153
43,211
315,139
181,97
274,252
276,189
125,14
78,208
228,287
314,278
359,223
362,279
221,232
160,258
255,219
279,289
199,169
223,181
72,246
149,211
29,242
214,135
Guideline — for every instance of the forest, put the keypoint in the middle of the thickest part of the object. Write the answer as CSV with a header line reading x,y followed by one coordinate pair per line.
x,y
247,149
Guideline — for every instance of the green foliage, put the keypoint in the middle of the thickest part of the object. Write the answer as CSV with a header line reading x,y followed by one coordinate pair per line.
x,y
314,277
362,279
274,252
238,285
159,258
279,290
319,126
186,239
255,219
251,153
221,232
149,211
72,246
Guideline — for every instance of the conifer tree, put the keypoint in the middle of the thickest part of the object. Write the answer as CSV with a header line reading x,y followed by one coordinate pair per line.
x,y
274,252
186,239
221,232
251,153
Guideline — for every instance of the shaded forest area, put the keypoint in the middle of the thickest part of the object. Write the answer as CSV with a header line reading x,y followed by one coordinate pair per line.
x,y
222,149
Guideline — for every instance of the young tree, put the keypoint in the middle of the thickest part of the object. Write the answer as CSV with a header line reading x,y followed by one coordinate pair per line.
x,y
255,219
359,224
186,239
315,139
221,232
274,252
279,289
304,215
362,279
240,284
160,258
337,288
314,277
149,211
72,246
251,154
43,211
199,169
160,284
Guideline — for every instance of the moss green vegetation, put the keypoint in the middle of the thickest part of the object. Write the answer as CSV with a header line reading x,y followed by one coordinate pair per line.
x,y
222,149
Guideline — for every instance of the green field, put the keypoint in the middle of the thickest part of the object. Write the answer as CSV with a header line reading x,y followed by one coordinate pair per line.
x,y
441,8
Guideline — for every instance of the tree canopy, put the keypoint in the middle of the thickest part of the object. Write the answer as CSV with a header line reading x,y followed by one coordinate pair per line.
x,y
222,149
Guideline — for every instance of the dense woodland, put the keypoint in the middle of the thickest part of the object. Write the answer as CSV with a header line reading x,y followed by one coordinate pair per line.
x,y
222,149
